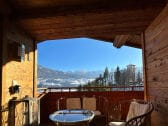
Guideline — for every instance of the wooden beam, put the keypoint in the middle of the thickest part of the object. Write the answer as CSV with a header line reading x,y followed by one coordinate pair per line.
x,y
102,38
34,68
1,60
128,43
134,45
120,40
55,34
143,39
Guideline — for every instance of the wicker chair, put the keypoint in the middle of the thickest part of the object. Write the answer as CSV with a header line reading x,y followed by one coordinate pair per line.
x,y
73,103
89,103
99,105
68,103
138,115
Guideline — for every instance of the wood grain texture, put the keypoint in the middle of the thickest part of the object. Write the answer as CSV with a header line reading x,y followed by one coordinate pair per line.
x,y
21,72
143,40
120,40
157,67
89,24
60,19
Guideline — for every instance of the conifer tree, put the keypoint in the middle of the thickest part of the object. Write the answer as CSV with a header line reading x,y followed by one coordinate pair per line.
x,y
106,75
117,75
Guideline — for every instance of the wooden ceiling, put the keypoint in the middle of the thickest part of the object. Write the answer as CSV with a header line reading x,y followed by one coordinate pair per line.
x,y
118,21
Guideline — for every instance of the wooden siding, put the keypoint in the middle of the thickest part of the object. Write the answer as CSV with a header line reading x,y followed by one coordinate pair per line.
x,y
12,69
156,55
48,102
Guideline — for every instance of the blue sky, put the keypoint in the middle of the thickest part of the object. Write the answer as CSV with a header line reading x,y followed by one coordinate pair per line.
x,y
86,55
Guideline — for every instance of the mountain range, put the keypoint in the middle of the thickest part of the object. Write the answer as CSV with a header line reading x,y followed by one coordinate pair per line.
x,y
55,78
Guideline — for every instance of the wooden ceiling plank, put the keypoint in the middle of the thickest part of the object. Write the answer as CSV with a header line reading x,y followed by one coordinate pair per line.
x,y
138,14
134,22
135,45
120,40
112,27
53,20
68,22
82,33
92,30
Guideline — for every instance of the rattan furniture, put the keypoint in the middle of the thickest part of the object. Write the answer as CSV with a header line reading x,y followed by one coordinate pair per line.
x,y
139,113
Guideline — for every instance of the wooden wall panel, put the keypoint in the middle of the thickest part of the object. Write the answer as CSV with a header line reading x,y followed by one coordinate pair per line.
x,y
22,72
13,69
156,54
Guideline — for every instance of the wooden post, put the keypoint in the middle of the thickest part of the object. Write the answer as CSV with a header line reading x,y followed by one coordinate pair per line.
x,y
34,68
144,66
4,59
1,41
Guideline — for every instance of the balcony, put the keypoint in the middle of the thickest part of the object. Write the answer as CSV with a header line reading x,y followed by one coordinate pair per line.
x,y
113,94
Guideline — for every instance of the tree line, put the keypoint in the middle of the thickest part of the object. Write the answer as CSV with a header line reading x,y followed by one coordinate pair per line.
x,y
119,77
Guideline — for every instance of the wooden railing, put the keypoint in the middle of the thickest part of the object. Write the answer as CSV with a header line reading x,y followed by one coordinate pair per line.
x,y
49,96
104,88
113,94
48,102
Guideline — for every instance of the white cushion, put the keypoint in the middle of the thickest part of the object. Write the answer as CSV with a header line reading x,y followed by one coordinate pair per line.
x,y
136,109
116,123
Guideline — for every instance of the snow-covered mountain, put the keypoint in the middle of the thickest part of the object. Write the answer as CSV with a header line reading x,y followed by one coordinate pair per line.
x,y
54,78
